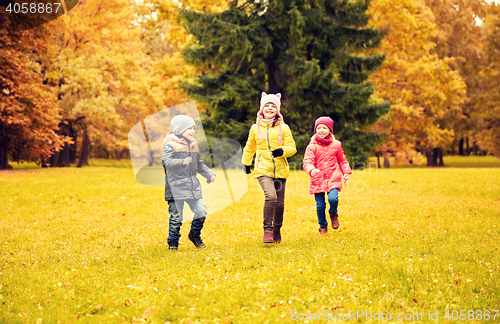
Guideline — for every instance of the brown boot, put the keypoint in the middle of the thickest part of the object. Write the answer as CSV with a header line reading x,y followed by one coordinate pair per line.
x,y
268,237
277,235
335,220
323,230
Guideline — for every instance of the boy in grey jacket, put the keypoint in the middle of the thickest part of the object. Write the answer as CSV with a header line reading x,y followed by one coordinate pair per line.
x,y
181,161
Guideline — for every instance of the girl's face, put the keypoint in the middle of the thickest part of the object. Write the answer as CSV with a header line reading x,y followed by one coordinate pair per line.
x,y
322,131
188,133
269,110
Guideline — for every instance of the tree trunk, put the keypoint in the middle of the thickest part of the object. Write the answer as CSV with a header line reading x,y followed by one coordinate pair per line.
x,y
435,157
273,70
54,160
4,165
435,153
430,158
63,156
387,164
440,157
73,133
378,160
467,149
73,148
461,147
453,146
84,150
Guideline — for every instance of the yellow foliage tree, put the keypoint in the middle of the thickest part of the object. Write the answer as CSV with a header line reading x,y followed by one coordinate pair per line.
x,y
421,87
166,38
104,79
488,100
459,35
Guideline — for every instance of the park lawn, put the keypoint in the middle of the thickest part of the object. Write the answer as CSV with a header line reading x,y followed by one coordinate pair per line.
x,y
89,246
453,161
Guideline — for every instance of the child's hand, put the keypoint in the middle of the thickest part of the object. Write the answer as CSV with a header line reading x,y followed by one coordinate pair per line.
x,y
315,172
277,153
212,178
346,178
187,160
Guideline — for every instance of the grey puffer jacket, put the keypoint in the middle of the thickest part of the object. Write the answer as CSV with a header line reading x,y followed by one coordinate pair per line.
x,y
180,180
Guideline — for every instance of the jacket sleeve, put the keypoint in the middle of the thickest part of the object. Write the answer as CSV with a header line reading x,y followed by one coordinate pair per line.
x,y
204,170
343,164
308,161
167,160
288,145
250,147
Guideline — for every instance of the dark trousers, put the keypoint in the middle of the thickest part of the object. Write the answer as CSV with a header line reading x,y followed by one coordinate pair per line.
x,y
274,205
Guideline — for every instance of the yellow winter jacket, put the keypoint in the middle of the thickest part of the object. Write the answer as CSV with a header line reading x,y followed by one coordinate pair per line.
x,y
265,163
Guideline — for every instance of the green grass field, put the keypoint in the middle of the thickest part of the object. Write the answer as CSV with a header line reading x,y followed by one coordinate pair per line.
x,y
89,246
453,161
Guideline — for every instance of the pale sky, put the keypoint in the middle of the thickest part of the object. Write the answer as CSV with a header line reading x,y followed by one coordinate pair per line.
x,y
479,22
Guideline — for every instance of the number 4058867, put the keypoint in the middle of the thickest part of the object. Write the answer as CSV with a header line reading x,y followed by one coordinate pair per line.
x,y
472,315
33,8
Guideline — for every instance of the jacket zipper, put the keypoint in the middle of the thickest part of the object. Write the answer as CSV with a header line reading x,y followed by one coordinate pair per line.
x,y
190,170
271,152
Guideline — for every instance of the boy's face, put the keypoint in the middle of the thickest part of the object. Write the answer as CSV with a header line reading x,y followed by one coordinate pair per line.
x,y
188,133
269,110
322,131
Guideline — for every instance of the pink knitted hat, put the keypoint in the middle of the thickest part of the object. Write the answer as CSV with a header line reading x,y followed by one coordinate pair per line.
x,y
274,99
327,121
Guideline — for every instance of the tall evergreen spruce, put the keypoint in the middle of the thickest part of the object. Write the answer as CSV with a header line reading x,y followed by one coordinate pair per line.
x,y
308,50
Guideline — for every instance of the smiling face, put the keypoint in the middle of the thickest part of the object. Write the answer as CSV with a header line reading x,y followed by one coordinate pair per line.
x,y
322,131
188,133
269,110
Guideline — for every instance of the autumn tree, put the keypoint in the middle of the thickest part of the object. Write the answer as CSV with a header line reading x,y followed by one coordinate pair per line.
x,y
309,51
459,36
29,116
488,100
104,80
422,88
165,38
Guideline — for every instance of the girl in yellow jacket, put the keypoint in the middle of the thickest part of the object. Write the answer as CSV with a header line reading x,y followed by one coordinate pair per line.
x,y
272,142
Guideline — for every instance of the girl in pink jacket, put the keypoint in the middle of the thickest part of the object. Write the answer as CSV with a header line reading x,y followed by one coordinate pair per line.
x,y
326,163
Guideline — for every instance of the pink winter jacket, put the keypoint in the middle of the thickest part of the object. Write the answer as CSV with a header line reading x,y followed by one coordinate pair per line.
x,y
332,163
